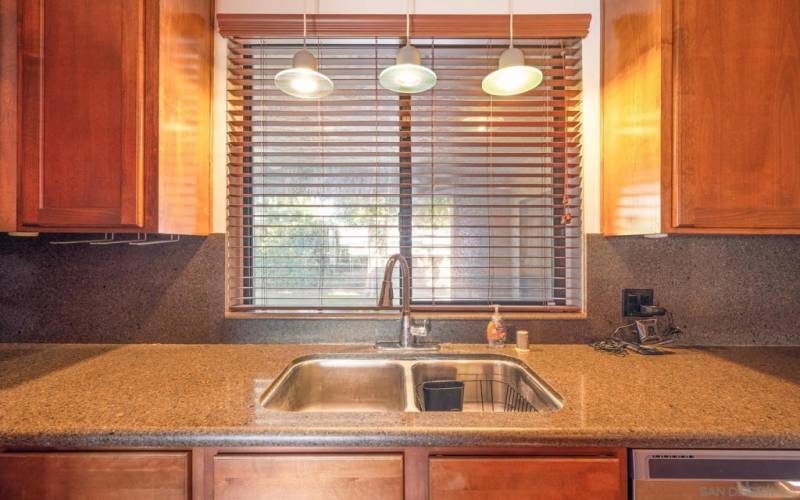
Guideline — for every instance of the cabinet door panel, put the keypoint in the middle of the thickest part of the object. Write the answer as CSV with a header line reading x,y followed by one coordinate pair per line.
x,y
81,112
307,477
737,114
89,475
539,478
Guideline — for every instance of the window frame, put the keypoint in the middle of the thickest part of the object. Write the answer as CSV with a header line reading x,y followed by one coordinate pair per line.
x,y
532,26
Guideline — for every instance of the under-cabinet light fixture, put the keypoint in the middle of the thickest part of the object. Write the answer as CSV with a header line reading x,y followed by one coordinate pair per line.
x,y
512,75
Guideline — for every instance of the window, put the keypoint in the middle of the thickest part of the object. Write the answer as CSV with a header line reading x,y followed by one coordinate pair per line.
x,y
481,194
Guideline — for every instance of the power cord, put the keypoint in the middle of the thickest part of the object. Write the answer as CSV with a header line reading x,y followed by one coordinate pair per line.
x,y
620,342
672,331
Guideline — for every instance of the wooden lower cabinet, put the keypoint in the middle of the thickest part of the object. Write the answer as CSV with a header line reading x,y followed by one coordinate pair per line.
x,y
310,473
308,476
540,478
95,475
418,474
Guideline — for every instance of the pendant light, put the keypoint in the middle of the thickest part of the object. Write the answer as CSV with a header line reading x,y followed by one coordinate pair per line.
x,y
302,79
512,76
408,75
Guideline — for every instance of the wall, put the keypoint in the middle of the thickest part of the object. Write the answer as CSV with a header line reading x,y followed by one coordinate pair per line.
x,y
722,291
591,73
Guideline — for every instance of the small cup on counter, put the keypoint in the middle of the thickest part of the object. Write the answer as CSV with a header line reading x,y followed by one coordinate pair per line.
x,y
523,343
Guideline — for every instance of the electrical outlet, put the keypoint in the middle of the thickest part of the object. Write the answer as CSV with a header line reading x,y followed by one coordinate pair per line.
x,y
633,299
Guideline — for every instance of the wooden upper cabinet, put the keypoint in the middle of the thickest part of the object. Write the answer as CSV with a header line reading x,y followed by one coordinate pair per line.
x,y
534,478
114,114
701,104
8,115
737,114
81,151
90,475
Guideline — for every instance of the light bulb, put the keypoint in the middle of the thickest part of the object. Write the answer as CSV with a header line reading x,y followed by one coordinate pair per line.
x,y
304,84
513,78
408,78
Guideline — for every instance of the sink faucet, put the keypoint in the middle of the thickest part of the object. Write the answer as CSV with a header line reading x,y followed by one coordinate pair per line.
x,y
409,329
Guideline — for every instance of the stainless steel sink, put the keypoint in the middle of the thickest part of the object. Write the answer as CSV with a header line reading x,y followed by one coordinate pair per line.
x,y
491,384
338,384
381,383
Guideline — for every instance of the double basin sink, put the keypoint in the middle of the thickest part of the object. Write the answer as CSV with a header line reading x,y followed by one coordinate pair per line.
x,y
386,383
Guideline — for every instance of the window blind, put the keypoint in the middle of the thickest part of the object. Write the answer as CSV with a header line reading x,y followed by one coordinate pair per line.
x,y
482,194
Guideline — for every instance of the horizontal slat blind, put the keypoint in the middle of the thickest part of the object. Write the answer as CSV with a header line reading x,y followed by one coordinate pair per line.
x,y
481,193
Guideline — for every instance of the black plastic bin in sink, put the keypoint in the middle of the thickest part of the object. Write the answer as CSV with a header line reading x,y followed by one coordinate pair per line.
x,y
443,395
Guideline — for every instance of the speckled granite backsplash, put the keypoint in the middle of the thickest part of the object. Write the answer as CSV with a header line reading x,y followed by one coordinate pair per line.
x,y
722,291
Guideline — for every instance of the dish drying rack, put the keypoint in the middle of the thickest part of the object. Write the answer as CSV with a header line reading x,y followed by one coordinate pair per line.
x,y
484,395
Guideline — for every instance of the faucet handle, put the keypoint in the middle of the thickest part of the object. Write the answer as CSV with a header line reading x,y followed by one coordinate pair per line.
x,y
420,328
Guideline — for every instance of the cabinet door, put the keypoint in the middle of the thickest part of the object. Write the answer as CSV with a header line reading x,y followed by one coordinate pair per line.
x,y
308,476
737,114
85,475
518,478
82,98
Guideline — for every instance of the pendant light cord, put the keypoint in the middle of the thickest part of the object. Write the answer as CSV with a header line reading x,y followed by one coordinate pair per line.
x,y
408,22
305,31
511,22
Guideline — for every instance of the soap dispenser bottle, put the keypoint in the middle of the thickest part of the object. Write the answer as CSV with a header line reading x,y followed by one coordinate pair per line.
x,y
496,329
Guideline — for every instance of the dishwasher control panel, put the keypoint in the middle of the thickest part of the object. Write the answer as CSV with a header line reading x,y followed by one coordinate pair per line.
x,y
711,474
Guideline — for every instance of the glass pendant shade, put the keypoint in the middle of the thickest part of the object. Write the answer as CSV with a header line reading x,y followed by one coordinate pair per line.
x,y
512,76
302,79
407,76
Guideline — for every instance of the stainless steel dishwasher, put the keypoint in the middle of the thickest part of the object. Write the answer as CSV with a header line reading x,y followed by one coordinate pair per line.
x,y
710,474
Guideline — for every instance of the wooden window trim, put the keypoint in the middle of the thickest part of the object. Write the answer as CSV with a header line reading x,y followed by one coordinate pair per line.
x,y
422,25
277,26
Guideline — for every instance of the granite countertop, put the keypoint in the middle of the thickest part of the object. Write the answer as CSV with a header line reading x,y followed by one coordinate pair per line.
x,y
205,395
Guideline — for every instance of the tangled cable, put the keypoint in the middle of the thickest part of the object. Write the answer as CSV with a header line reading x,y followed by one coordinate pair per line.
x,y
623,340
